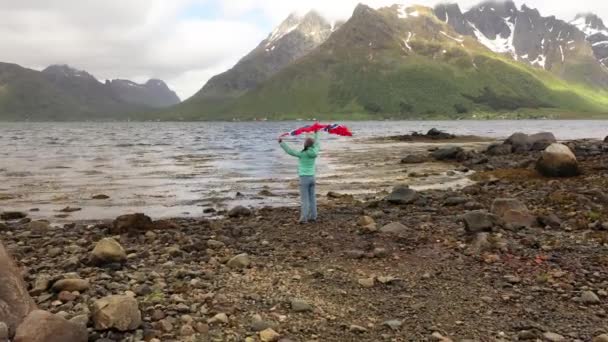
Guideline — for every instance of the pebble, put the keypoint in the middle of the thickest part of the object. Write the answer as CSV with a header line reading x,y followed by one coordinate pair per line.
x,y
299,305
357,329
590,298
187,330
553,337
269,335
367,282
394,324
240,261
219,318
601,338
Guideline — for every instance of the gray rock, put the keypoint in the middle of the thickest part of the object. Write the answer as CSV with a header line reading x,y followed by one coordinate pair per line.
x,y
590,298
116,312
239,211
214,244
449,153
3,332
402,195
601,338
42,283
42,326
414,159
240,261
479,221
132,224
299,305
454,201
15,301
108,251
394,324
550,220
71,285
499,149
12,215
394,228
553,337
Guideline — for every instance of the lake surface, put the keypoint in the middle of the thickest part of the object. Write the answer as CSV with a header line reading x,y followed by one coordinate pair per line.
x,y
180,169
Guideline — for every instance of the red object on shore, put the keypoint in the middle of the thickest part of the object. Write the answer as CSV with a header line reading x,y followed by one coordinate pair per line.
x,y
331,129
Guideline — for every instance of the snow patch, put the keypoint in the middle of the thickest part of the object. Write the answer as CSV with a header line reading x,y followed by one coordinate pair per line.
x,y
601,43
540,61
499,44
452,38
279,33
403,14
407,41
581,24
562,51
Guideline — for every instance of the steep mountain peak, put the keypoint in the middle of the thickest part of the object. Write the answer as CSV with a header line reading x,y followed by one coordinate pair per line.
x,y
590,24
451,14
64,70
311,24
500,8
590,20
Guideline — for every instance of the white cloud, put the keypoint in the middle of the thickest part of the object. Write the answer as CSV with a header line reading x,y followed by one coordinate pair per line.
x,y
140,39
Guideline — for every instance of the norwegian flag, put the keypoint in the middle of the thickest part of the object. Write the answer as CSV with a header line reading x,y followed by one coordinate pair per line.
x,y
331,129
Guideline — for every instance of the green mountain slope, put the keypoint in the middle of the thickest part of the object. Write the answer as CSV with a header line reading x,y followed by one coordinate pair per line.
x,y
402,63
61,93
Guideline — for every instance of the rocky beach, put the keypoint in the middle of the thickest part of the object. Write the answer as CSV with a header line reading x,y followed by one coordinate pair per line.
x,y
520,253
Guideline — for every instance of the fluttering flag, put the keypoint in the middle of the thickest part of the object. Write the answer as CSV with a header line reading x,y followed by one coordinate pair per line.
x,y
331,129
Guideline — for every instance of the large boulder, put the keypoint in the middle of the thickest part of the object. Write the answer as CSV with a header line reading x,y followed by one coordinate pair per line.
x,y
15,301
402,195
522,142
449,153
499,149
541,141
108,251
116,312
131,223
558,161
43,326
12,215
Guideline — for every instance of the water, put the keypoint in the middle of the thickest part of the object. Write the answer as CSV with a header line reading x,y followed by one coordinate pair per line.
x,y
179,169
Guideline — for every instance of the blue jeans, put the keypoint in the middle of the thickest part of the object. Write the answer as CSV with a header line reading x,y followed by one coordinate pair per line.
x,y
308,199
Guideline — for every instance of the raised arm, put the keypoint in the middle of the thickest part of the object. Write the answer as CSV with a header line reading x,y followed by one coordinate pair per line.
x,y
289,150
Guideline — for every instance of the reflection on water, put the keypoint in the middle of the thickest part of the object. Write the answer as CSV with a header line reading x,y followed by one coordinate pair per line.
x,y
179,169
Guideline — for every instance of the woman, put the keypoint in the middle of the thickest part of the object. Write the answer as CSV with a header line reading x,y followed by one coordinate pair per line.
x,y
306,171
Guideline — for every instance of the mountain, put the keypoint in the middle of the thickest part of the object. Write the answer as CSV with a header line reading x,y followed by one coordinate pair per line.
x,y
412,62
526,36
597,34
292,39
154,93
61,92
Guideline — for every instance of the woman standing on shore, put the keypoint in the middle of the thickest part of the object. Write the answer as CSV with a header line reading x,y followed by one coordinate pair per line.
x,y
306,170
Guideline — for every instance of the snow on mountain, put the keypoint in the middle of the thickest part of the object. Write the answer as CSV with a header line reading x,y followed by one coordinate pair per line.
x,y
596,33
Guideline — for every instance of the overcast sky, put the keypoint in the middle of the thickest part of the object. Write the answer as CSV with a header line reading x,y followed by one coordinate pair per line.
x,y
183,42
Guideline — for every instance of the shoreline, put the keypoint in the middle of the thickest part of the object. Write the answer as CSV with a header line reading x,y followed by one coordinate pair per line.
x,y
369,270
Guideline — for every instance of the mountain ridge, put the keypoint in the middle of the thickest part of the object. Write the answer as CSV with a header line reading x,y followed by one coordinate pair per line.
x,y
60,92
417,44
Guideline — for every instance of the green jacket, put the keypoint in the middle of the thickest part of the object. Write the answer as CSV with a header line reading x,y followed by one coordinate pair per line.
x,y
306,165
